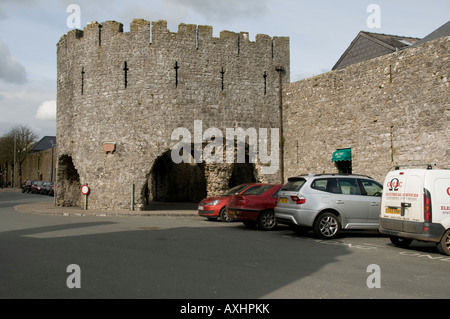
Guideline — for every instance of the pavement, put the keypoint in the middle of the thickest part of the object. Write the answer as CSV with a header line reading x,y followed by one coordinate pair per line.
x,y
154,209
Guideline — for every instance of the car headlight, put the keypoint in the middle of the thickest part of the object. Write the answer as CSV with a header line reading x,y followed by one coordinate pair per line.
x,y
214,202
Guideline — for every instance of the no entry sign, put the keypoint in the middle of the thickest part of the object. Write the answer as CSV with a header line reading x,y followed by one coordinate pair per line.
x,y
85,190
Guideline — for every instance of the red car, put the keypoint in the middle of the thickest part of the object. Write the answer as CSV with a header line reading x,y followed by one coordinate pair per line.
x,y
216,207
256,206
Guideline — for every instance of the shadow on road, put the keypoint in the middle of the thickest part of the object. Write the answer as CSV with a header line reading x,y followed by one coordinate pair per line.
x,y
204,262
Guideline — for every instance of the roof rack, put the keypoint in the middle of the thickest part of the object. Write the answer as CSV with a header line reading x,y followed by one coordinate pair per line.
x,y
428,166
333,174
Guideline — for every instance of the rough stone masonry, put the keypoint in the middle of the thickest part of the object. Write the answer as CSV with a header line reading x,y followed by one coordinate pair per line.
x,y
121,95
390,111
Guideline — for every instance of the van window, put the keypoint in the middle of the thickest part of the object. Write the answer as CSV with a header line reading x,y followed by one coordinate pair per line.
x,y
294,184
371,188
349,186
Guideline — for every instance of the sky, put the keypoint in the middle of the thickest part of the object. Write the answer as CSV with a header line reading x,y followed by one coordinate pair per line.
x,y
319,31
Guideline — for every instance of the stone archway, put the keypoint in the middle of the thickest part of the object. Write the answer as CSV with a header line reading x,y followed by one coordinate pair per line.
x,y
242,173
68,184
170,182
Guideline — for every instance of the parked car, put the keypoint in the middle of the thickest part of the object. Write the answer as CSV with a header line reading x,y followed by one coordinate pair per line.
x,y
26,187
416,206
255,206
216,207
36,187
47,188
51,191
328,203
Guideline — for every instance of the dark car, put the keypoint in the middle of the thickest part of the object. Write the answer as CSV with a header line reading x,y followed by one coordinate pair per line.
x,y
37,187
26,187
51,191
47,189
255,207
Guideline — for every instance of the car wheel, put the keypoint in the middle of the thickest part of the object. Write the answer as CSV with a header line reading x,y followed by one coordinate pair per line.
x,y
224,215
266,220
327,226
400,242
444,245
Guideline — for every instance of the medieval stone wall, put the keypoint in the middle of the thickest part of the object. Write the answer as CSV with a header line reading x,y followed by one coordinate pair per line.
x,y
40,166
392,110
121,95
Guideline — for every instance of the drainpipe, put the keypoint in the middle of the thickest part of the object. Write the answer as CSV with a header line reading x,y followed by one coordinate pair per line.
x,y
280,70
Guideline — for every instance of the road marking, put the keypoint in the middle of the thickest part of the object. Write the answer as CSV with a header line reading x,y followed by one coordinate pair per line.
x,y
369,246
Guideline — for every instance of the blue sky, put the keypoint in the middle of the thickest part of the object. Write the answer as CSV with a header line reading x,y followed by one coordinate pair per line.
x,y
319,32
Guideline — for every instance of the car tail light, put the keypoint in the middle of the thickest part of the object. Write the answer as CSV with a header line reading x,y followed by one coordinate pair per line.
x,y
298,200
427,205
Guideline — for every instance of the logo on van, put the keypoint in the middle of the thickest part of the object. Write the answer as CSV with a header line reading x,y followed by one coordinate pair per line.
x,y
448,191
394,184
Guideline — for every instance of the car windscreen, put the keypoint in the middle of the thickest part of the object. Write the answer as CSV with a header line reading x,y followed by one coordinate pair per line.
x,y
236,190
293,184
257,190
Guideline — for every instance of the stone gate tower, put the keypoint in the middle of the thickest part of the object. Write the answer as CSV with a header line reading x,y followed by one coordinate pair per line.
x,y
122,94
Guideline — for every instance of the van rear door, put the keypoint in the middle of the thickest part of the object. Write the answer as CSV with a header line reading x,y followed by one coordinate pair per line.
x,y
412,203
393,195
403,198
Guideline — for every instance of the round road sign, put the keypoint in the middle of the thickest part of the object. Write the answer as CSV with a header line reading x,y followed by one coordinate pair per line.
x,y
85,189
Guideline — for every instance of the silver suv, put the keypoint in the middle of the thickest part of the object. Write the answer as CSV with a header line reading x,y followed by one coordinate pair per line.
x,y
328,203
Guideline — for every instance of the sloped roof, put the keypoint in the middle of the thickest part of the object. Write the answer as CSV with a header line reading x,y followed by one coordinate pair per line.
x,y
394,41
442,31
44,144
385,43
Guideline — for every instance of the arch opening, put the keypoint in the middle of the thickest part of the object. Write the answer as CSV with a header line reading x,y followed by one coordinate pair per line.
x,y
68,184
170,182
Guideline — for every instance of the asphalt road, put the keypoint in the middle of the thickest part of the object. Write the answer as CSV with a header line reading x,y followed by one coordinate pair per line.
x,y
192,258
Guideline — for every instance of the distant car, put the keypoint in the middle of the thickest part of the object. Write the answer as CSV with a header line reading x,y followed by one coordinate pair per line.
x,y
37,187
255,207
51,191
26,187
47,188
216,207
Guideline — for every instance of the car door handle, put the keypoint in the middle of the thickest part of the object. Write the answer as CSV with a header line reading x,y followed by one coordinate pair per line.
x,y
339,202
374,204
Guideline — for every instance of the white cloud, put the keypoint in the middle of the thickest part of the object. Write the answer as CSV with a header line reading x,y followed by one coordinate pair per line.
x,y
47,111
10,69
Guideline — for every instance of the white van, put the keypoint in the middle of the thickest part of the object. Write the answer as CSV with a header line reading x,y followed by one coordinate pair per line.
x,y
416,205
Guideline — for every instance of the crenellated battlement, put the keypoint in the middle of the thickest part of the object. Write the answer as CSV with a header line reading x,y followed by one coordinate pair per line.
x,y
156,34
